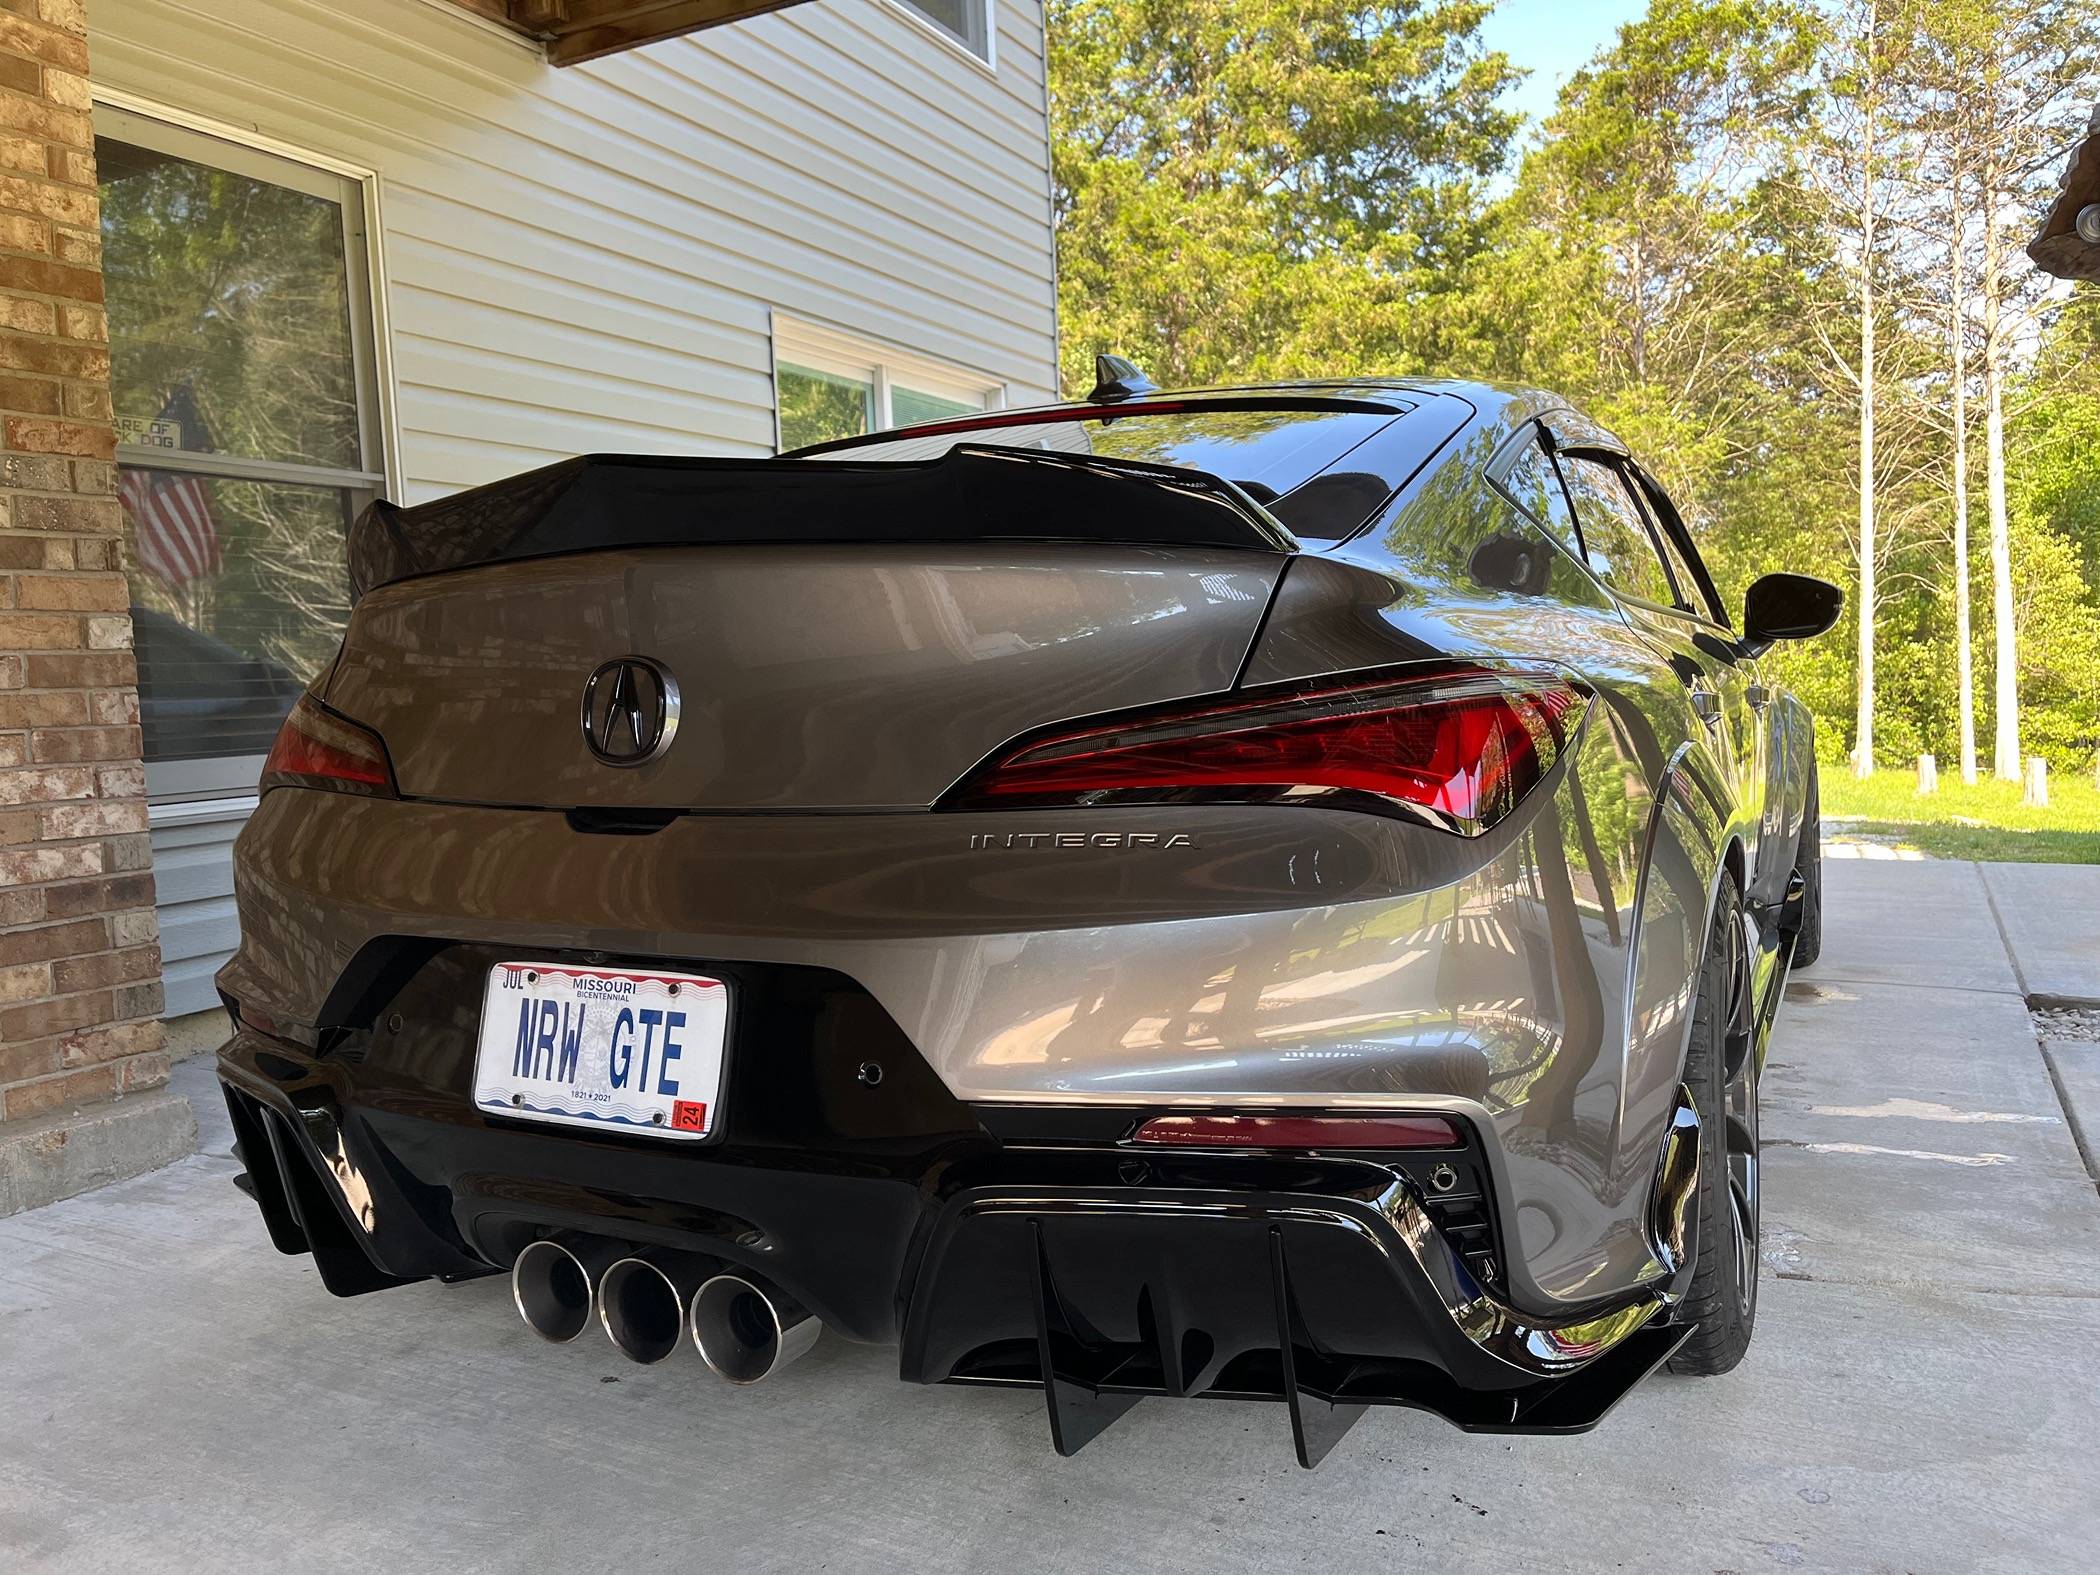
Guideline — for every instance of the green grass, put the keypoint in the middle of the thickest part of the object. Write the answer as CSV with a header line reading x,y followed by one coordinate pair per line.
x,y
1986,821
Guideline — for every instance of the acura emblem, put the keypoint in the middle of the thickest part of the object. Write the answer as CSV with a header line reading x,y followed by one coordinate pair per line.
x,y
630,711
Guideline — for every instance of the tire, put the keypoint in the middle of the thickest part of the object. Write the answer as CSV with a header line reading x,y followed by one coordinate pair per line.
x,y
1720,1070
1808,864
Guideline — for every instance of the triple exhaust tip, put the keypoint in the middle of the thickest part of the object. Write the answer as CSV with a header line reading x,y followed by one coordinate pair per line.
x,y
555,1281
744,1329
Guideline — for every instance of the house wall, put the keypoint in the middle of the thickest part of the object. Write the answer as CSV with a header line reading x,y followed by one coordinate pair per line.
x,y
586,258
564,260
590,258
78,992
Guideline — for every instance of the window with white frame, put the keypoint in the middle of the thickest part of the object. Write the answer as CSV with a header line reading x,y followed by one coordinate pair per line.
x,y
968,22
829,385
241,370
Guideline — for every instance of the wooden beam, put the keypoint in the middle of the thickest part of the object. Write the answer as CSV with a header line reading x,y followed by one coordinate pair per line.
x,y
604,27
577,30
489,10
2058,248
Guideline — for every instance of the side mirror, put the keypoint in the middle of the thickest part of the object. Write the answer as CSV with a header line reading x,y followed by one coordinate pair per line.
x,y
1789,607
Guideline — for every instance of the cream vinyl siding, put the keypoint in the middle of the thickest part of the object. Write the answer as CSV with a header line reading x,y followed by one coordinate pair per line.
x,y
592,258
193,892
588,258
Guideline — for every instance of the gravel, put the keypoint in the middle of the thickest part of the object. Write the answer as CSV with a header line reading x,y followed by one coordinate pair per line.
x,y
2077,1024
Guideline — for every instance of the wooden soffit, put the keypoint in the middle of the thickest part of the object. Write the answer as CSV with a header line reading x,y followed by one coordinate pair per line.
x,y
2058,249
574,30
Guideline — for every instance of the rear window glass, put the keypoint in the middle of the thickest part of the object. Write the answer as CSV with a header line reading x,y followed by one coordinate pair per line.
x,y
1273,454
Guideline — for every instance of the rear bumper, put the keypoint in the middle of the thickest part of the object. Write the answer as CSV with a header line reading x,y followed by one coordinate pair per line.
x,y
1293,957
1096,1273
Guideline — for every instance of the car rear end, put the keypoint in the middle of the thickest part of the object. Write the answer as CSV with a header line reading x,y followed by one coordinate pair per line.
x,y
871,885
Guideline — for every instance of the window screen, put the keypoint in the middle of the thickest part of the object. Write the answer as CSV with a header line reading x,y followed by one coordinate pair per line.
x,y
1614,536
820,407
240,373
968,22
829,385
908,405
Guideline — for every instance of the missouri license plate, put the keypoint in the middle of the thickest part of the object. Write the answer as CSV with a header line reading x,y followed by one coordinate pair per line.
x,y
613,1049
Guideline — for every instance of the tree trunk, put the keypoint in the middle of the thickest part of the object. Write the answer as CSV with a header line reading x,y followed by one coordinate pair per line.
x,y
2005,753
1863,736
1957,268
1863,732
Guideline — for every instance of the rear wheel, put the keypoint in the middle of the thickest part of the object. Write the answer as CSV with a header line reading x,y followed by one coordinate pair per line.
x,y
1808,866
1721,1071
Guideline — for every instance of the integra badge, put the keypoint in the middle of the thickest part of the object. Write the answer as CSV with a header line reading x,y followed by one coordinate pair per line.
x,y
1081,839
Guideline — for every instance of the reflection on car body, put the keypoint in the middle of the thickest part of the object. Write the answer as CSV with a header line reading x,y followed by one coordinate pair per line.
x,y
1377,1021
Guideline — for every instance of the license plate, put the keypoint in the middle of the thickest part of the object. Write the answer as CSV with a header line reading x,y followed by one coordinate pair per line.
x,y
613,1049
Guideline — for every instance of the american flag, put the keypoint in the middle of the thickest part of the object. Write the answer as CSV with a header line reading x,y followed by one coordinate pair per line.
x,y
178,541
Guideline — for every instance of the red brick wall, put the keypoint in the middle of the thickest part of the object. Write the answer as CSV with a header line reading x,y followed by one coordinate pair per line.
x,y
79,963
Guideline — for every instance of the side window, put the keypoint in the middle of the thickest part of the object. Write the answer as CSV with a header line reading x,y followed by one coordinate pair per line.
x,y
827,385
1615,537
1691,594
1534,487
967,22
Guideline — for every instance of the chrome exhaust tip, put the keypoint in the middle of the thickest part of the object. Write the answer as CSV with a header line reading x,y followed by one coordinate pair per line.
x,y
554,1281
746,1331
642,1302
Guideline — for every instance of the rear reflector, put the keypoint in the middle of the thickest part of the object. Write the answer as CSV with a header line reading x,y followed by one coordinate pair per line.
x,y
1330,1132
1459,747
317,748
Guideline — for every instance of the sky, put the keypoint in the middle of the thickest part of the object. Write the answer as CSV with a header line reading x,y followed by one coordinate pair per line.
x,y
1551,39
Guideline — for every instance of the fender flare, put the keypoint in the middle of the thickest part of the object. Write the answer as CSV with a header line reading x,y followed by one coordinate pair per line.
x,y
1717,846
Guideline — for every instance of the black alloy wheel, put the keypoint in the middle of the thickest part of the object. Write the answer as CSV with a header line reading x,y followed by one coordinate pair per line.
x,y
1721,1071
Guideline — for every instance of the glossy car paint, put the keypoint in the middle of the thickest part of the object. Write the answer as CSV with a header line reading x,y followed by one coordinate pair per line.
x,y
1535,982
844,678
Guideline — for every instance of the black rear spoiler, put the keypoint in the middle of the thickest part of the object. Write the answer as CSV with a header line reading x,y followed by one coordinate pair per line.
x,y
972,493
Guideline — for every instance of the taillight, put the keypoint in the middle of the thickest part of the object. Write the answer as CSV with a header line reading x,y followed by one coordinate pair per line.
x,y
1457,747
319,749
1330,1132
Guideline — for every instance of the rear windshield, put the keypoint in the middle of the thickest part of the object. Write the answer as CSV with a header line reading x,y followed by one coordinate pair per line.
x,y
1277,455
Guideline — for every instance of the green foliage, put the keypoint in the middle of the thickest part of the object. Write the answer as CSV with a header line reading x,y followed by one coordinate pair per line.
x,y
1261,188
1257,189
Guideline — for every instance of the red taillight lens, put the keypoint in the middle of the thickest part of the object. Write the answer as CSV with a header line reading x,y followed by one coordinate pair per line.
x,y
317,748
1459,747
1331,1132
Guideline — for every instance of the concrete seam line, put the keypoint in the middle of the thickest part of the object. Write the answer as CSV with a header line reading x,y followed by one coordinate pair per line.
x,y
1990,900
2056,1081
2063,1098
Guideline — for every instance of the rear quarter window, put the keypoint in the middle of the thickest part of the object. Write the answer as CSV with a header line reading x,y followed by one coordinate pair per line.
x,y
1462,531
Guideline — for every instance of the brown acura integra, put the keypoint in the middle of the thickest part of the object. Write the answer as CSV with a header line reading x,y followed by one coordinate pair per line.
x,y
1263,892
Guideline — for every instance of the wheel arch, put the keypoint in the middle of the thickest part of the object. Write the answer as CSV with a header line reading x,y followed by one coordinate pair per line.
x,y
1693,845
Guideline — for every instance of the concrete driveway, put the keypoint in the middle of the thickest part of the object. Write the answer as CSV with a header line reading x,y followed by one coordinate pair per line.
x,y
1921,1395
